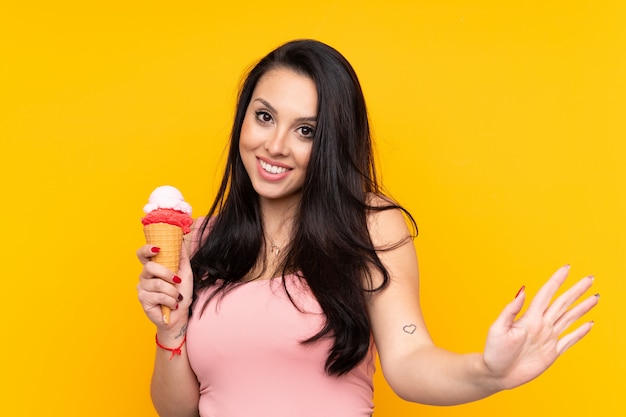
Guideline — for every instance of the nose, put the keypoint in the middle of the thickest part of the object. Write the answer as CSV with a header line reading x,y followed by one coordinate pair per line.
x,y
277,143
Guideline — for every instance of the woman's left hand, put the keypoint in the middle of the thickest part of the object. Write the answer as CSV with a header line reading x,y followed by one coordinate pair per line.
x,y
518,351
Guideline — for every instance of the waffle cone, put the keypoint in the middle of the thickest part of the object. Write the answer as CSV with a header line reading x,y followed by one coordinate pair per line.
x,y
169,239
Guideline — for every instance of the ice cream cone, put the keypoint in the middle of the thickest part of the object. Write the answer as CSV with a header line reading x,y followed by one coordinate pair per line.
x,y
167,219
169,239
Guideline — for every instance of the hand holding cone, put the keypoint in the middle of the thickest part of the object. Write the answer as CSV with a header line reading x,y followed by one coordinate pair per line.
x,y
167,219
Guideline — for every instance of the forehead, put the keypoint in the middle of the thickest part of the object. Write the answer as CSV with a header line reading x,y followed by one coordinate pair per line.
x,y
285,86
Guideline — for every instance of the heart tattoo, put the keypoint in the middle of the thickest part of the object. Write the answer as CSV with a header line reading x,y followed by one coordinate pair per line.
x,y
409,328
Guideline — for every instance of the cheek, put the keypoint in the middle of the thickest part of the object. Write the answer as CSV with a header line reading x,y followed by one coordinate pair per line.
x,y
245,146
304,154
249,137
245,133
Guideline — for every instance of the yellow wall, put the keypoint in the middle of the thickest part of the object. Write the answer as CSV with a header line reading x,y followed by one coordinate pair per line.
x,y
499,124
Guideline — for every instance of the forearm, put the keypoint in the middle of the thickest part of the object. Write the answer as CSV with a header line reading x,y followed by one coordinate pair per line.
x,y
435,376
174,387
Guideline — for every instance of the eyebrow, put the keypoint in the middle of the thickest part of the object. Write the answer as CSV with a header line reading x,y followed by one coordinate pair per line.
x,y
273,110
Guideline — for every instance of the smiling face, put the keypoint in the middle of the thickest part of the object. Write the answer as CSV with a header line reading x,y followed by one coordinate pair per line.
x,y
277,134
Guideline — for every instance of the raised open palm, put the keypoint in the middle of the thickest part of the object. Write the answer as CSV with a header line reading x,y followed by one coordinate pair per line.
x,y
519,350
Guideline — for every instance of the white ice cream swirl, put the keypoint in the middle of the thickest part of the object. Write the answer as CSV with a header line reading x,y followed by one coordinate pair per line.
x,y
167,197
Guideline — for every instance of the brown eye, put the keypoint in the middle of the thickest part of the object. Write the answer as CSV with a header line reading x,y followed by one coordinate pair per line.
x,y
307,131
263,116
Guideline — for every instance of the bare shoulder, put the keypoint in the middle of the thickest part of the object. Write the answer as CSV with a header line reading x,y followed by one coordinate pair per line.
x,y
386,221
378,200
192,239
196,226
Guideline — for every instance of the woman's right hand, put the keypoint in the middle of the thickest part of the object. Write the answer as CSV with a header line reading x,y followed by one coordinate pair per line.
x,y
174,388
161,286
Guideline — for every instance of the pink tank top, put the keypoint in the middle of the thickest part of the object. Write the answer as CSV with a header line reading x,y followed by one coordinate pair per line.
x,y
245,350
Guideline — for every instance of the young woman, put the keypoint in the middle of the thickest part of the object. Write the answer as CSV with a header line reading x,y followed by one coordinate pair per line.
x,y
303,269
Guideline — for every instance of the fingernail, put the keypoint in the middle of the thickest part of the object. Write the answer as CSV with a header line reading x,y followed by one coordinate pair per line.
x,y
180,297
520,291
155,249
176,308
597,295
176,279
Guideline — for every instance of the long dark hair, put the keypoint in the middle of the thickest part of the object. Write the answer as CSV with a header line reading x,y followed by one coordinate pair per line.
x,y
331,246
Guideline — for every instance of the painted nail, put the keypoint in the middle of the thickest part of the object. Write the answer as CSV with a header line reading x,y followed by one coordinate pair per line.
x,y
520,291
155,249
176,279
176,308
180,297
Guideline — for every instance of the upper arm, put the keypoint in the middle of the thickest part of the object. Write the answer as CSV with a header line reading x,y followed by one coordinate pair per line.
x,y
397,323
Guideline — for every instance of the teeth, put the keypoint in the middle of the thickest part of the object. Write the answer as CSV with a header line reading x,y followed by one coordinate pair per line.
x,y
272,168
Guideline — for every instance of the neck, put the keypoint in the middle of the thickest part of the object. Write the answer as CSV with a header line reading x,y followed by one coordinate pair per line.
x,y
277,216
277,220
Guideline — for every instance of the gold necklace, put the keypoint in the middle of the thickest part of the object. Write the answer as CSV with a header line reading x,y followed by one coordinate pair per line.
x,y
274,249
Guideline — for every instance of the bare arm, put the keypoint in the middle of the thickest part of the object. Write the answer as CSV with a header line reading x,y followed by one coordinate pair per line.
x,y
174,387
517,350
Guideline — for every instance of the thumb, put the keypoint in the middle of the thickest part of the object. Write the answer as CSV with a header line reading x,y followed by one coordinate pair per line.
x,y
509,313
185,256
184,272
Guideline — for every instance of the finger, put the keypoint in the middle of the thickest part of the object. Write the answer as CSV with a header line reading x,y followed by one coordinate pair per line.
x,y
156,285
146,252
575,313
155,270
543,297
507,317
185,257
564,301
156,298
185,273
151,301
572,338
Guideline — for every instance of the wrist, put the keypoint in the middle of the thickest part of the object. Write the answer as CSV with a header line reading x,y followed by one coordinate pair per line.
x,y
175,350
487,379
172,336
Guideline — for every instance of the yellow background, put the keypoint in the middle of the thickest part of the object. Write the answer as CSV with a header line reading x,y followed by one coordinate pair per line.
x,y
499,124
